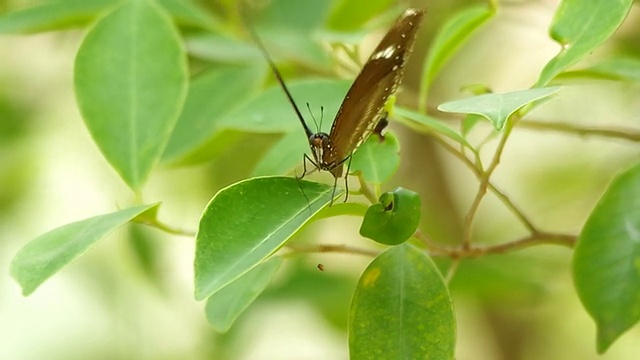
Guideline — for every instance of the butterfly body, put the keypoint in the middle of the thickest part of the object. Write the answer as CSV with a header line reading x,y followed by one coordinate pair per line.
x,y
361,109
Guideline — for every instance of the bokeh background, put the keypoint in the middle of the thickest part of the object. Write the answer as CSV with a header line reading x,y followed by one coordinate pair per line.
x,y
131,297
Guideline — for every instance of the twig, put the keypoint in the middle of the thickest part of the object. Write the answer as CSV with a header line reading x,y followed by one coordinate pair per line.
x,y
332,248
436,249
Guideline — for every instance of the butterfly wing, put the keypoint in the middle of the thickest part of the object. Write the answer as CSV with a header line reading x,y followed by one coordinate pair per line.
x,y
379,78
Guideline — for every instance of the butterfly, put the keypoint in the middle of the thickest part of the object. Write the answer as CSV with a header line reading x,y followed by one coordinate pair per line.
x,y
361,109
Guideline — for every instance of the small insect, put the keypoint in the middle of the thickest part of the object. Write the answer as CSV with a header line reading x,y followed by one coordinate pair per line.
x,y
320,267
361,108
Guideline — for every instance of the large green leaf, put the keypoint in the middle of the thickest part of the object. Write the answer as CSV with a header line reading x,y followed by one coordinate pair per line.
x,y
50,252
189,13
497,108
55,15
131,81
401,309
211,97
377,159
580,26
271,111
449,39
225,306
247,222
284,156
606,262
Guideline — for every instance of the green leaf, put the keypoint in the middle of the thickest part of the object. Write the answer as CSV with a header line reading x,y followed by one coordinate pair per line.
x,y
225,306
270,112
393,219
580,26
344,18
426,123
606,262
211,97
284,156
131,81
449,39
377,159
189,13
497,108
56,15
401,309
247,222
50,252
221,47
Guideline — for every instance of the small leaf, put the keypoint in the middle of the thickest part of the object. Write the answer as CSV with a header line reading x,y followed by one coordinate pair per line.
x,y
377,159
497,108
211,97
58,15
276,114
580,26
401,309
431,124
130,82
225,306
394,219
247,222
344,18
450,38
606,262
50,252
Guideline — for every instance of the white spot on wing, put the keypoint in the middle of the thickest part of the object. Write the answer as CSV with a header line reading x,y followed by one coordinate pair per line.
x,y
386,53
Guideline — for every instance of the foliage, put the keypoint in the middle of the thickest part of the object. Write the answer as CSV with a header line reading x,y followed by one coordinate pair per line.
x,y
163,83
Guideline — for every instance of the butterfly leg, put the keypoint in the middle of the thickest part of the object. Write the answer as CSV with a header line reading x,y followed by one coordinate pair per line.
x,y
346,177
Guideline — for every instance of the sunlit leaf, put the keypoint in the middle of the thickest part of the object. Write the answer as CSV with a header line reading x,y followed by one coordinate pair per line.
x,y
130,82
606,262
50,252
497,108
580,26
401,309
247,222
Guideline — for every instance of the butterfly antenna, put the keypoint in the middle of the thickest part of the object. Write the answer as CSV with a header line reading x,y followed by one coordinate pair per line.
x,y
276,72
321,117
315,122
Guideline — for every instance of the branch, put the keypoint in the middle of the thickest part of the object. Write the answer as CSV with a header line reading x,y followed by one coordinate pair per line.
x,y
626,134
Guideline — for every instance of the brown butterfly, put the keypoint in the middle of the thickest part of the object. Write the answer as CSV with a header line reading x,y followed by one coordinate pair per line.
x,y
361,108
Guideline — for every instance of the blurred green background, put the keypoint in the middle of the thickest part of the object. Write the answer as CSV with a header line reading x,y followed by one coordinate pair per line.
x,y
131,297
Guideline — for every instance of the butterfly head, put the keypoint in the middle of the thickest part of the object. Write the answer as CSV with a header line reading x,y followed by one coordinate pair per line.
x,y
319,143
